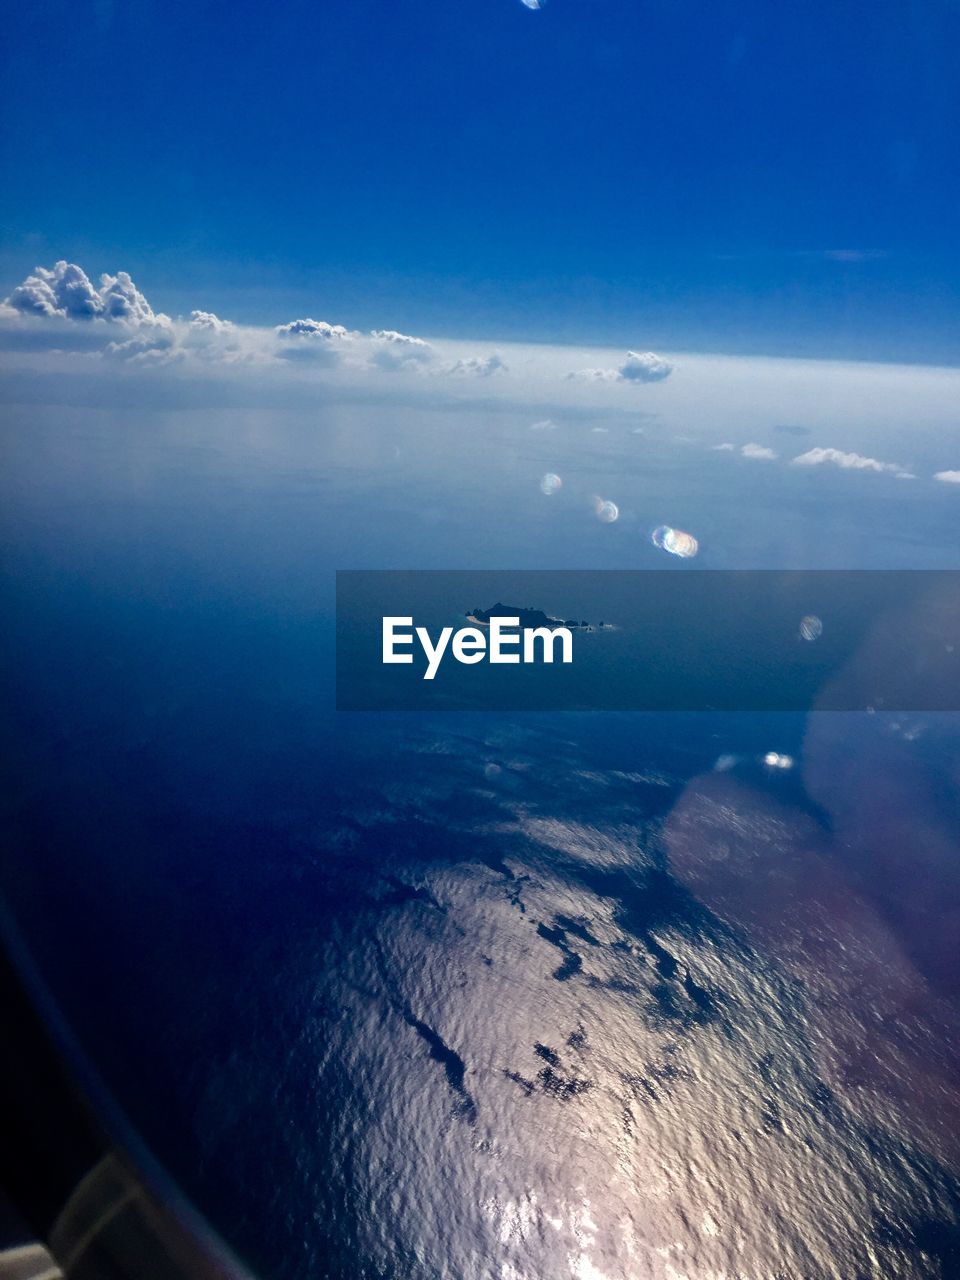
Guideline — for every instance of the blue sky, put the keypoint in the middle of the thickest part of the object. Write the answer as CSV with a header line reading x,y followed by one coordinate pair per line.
x,y
724,177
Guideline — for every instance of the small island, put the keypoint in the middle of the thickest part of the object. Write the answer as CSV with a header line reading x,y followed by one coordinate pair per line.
x,y
529,617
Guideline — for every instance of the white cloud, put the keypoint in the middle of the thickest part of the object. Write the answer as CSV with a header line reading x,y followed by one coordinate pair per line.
x,y
313,341
639,366
393,350
399,339
60,321
60,309
207,322
544,424
155,344
849,462
313,329
645,366
324,344
948,477
726,447
204,337
65,292
479,366
758,451
122,300
208,338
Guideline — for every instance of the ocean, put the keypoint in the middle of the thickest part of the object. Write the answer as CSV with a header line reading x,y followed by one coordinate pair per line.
x,y
474,996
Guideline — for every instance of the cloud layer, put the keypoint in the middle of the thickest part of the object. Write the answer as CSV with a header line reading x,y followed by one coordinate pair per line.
x,y
57,321
65,295
60,308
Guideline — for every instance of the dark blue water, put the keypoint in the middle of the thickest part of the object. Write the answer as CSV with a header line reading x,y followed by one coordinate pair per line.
x,y
527,997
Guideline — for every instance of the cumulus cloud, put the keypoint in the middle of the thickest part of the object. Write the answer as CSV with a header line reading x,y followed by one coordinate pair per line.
x,y
393,350
849,462
313,341
396,339
149,345
122,300
726,447
758,451
207,337
313,329
207,322
645,366
639,366
478,366
58,322
60,308
948,477
65,292
204,337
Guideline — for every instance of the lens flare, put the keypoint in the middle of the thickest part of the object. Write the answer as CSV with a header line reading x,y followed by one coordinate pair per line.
x,y
777,760
605,510
811,628
675,541
550,483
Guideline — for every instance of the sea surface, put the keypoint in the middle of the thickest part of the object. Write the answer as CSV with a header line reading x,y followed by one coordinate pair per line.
x,y
472,996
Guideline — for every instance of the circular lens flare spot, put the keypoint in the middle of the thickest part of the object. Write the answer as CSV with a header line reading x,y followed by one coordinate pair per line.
x,y
551,483
777,760
675,541
605,510
811,628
